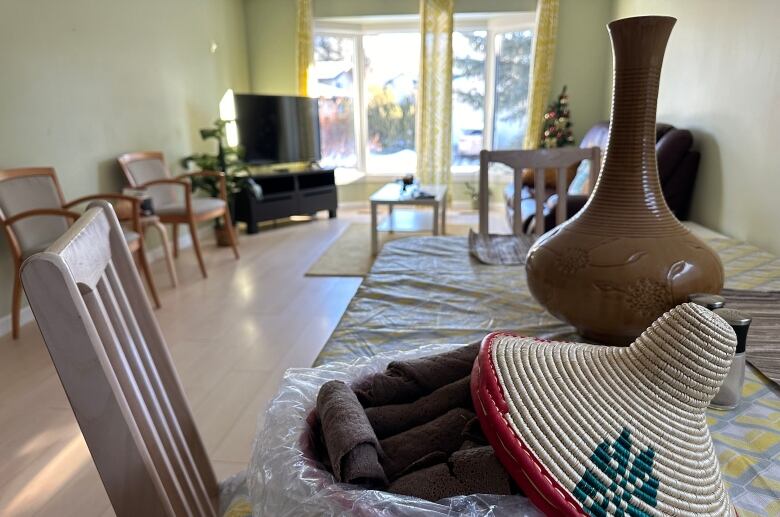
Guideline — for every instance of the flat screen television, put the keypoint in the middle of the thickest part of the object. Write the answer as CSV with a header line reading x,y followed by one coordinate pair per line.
x,y
278,129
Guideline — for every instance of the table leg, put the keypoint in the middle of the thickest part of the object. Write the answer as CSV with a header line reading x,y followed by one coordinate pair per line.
x,y
436,219
373,230
390,215
444,217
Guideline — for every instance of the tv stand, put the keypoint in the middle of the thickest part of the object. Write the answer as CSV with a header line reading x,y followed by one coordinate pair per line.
x,y
286,194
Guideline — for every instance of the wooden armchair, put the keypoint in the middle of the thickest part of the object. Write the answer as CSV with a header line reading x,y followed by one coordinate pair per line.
x,y
33,213
540,161
114,364
173,200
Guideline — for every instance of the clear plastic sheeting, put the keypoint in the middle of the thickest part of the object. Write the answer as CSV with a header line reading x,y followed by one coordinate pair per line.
x,y
286,480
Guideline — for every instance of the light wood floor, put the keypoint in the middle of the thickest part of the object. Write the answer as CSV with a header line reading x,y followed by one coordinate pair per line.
x,y
231,337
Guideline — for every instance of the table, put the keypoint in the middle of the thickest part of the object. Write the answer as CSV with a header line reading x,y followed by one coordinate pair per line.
x,y
427,290
392,194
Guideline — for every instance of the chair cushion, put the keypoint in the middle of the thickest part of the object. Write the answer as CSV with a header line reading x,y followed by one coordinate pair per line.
x,y
200,205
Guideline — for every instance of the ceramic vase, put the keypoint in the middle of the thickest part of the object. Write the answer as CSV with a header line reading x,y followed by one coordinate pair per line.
x,y
624,259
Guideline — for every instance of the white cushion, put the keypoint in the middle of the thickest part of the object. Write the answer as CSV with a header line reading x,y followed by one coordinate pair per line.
x,y
200,205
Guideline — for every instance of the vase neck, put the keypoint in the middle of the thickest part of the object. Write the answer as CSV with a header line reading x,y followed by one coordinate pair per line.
x,y
628,189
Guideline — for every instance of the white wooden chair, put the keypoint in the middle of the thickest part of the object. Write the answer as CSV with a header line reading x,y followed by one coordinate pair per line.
x,y
538,160
114,364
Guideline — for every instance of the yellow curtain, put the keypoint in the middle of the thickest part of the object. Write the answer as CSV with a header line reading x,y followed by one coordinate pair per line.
x,y
541,69
434,93
305,15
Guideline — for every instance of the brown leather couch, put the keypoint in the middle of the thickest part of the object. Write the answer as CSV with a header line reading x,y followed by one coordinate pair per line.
x,y
678,165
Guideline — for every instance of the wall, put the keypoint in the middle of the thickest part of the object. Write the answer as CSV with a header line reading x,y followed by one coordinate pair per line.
x,y
582,52
720,80
86,80
272,45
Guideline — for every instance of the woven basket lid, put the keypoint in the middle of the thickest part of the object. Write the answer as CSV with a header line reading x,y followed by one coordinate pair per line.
x,y
593,430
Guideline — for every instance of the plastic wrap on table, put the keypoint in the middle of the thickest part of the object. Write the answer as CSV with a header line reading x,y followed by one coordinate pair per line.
x,y
285,478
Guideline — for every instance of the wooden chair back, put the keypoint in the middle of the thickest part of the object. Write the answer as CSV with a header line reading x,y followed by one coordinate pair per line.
x,y
22,190
539,160
114,364
145,166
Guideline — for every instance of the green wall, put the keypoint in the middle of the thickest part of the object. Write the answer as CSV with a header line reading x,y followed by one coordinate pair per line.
x,y
272,45
582,53
720,80
83,81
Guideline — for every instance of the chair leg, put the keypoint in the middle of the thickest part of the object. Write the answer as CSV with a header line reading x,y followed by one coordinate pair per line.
x,y
175,240
141,254
16,308
231,233
167,251
196,245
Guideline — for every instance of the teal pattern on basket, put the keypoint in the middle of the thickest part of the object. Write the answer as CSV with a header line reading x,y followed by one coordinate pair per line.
x,y
630,480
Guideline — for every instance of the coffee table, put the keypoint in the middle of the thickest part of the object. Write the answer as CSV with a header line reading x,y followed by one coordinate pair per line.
x,y
392,194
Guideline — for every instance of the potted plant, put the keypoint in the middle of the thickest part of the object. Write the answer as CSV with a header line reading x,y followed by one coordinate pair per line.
x,y
228,160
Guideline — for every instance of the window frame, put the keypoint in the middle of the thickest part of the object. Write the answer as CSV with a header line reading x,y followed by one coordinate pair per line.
x,y
356,28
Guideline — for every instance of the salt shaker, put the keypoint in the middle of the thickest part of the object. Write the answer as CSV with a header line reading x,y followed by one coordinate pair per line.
x,y
730,392
711,301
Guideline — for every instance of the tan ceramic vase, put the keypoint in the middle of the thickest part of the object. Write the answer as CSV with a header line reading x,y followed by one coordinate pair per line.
x,y
624,259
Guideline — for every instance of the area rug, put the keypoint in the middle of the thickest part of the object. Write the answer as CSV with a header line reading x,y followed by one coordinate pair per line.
x,y
350,254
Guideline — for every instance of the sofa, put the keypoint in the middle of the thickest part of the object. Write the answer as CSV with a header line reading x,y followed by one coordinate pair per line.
x,y
678,165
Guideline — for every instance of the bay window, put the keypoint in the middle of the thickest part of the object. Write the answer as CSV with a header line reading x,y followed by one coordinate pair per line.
x,y
366,75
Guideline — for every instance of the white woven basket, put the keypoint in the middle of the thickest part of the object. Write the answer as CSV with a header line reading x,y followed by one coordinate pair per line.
x,y
622,430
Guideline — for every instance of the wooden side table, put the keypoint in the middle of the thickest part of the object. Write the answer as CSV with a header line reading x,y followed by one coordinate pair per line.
x,y
391,195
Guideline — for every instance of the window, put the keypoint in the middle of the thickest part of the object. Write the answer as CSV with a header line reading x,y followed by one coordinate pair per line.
x,y
334,68
391,90
367,75
513,63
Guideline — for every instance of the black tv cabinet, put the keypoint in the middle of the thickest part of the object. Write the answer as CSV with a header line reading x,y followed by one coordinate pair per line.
x,y
286,194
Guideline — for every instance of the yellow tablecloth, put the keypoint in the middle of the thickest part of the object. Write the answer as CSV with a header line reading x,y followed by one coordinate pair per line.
x,y
429,290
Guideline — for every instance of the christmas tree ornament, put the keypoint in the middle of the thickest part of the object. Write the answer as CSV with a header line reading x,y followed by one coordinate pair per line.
x,y
556,129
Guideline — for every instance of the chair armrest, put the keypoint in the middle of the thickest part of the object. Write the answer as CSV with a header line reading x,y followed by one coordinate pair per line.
x,y
173,182
210,174
135,206
106,196
38,212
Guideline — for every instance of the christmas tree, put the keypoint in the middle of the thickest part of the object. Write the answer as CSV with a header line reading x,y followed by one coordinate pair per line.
x,y
557,124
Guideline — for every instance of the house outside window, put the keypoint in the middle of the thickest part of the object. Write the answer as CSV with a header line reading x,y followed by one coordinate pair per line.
x,y
366,73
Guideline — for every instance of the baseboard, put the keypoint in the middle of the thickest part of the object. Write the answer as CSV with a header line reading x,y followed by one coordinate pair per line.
x,y
25,317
